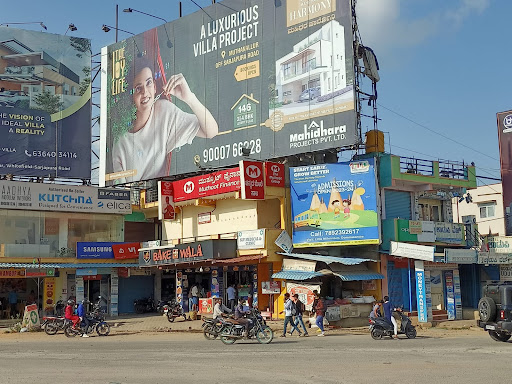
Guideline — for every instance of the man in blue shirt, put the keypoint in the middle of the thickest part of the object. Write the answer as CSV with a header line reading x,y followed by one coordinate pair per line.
x,y
388,314
82,313
13,301
231,291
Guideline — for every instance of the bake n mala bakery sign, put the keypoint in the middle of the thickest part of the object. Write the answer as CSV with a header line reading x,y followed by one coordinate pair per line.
x,y
188,252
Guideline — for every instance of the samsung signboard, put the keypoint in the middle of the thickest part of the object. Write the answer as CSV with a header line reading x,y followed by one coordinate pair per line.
x,y
45,104
278,80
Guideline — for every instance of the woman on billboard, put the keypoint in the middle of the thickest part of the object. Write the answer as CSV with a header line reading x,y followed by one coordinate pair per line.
x,y
159,126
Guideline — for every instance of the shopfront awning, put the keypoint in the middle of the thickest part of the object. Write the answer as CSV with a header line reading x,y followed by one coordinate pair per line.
x,y
68,265
240,259
295,275
355,273
327,259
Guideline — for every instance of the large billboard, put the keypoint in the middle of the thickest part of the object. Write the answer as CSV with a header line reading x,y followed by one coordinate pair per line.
x,y
45,104
276,78
505,141
334,204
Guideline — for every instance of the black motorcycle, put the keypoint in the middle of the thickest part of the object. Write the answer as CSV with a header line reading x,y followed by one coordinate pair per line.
x,y
381,327
258,329
174,310
59,308
96,323
144,305
212,328
53,324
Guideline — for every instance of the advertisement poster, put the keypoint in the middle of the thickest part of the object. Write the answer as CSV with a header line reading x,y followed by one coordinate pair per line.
x,y
305,292
334,204
252,180
45,104
421,293
49,293
264,78
166,201
450,295
505,142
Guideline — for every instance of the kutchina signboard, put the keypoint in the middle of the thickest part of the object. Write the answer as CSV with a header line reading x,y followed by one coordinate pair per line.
x,y
207,185
188,252
62,198
334,204
277,80
45,104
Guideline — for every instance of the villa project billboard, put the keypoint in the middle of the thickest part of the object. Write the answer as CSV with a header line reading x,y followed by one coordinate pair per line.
x,y
242,73
334,204
45,104
505,142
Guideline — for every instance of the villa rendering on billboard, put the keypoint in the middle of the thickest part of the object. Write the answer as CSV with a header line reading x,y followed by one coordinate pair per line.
x,y
199,91
45,104
334,204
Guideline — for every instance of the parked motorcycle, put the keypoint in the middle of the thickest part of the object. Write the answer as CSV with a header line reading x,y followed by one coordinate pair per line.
x,y
174,310
53,324
212,328
96,323
381,327
258,329
144,305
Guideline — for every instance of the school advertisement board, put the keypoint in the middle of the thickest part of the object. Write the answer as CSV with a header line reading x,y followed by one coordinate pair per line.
x,y
270,78
45,104
334,204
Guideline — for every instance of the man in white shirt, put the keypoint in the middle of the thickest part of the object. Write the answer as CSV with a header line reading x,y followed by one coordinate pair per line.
x,y
219,308
159,126
194,292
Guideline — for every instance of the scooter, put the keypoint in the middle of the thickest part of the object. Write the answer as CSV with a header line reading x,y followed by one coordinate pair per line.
x,y
381,327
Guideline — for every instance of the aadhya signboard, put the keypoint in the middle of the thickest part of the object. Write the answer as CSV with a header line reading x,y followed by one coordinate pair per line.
x,y
334,204
275,78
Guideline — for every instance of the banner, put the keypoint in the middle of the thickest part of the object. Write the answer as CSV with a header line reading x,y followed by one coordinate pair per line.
x,y
94,250
30,317
421,295
166,201
252,180
274,174
49,293
260,78
62,198
126,251
210,184
334,204
45,104
505,142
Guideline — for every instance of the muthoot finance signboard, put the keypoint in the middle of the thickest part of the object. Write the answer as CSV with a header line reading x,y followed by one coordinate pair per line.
x,y
276,79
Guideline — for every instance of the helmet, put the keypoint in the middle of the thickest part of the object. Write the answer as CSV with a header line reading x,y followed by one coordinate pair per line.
x,y
70,302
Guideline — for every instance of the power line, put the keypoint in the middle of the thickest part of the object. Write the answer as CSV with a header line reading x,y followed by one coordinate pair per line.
x,y
437,133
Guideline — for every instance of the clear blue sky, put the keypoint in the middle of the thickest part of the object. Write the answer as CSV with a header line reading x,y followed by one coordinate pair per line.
x,y
444,65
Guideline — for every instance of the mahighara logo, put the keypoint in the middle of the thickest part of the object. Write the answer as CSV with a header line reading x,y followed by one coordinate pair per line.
x,y
189,187
253,171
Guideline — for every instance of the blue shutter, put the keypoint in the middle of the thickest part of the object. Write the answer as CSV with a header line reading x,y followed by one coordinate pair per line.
x,y
398,205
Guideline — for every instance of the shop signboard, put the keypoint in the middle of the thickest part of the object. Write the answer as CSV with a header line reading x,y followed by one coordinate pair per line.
x,y
504,120
494,258
206,305
505,272
210,184
252,180
334,204
40,272
412,251
45,104
151,244
305,292
60,198
204,218
30,317
270,80
457,293
188,252
461,256
253,239
429,232
124,251
86,271
49,293
270,287
166,201
428,294
500,244
421,296
284,241
299,265
95,250
12,273
274,174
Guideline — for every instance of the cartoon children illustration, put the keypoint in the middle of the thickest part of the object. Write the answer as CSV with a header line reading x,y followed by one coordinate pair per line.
x,y
337,209
346,209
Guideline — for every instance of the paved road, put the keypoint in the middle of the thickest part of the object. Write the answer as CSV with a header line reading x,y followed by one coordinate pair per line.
x,y
467,357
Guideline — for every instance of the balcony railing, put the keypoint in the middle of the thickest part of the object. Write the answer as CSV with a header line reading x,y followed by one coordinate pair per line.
x,y
417,166
448,169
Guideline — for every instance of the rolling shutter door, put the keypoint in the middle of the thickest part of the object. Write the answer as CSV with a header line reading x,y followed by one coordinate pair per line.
x,y
398,205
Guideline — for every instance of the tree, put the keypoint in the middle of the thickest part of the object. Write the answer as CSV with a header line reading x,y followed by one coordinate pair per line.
x,y
47,102
84,84
81,45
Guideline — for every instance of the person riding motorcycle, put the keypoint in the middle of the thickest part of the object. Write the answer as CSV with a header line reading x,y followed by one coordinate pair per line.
x,y
239,316
82,313
219,309
69,315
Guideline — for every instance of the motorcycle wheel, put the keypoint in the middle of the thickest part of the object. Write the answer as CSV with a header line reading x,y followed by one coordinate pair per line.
x,y
170,317
209,333
51,329
227,340
410,333
265,335
377,333
103,329
69,332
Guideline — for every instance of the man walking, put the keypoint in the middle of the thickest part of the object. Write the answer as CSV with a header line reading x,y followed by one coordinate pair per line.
x,y
299,310
320,313
289,312
231,297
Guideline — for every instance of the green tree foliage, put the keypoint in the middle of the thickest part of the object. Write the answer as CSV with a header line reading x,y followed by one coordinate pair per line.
x,y
47,102
84,84
81,45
